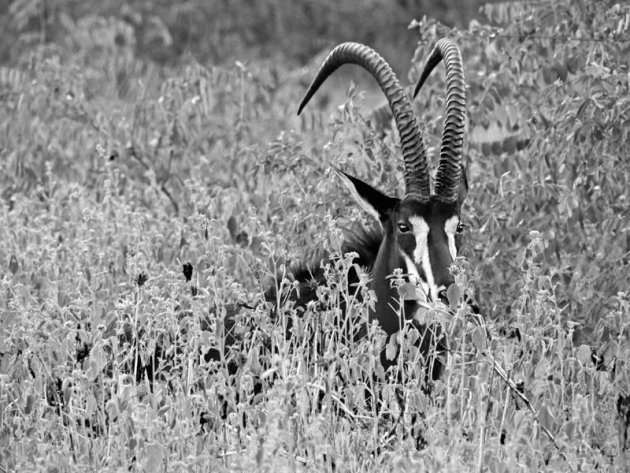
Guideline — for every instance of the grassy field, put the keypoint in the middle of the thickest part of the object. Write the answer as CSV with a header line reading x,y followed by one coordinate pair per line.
x,y
143,201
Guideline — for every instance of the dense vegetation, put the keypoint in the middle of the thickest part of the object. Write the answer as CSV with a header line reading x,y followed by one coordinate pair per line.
x,y
147,193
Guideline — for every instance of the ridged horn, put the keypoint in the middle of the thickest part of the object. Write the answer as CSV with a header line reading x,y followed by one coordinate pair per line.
x,y
414,155
449,170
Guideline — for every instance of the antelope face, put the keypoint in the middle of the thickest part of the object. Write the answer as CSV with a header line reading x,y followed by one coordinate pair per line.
x,y
419,230
421,238
426,235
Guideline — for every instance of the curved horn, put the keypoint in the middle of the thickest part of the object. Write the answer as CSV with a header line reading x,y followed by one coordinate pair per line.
x,y
416,171
449,171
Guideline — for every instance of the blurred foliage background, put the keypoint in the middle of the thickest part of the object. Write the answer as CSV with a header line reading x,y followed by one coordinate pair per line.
x,y
220,31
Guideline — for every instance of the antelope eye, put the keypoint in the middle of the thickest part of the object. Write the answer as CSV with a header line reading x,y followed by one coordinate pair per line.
x,y
460,227
403,227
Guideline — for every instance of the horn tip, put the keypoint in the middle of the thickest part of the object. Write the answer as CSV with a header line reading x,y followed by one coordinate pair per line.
x,y
417,89
306,99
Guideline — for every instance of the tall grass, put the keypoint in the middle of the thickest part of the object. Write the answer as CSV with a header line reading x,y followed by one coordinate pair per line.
x,y
116,172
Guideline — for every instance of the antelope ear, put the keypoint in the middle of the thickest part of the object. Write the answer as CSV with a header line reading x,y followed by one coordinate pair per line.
x,y
370,199
463,186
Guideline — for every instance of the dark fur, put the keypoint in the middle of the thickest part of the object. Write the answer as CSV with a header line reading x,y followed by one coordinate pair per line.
x,y
309,275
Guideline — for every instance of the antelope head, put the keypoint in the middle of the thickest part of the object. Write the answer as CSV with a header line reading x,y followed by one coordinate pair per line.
x,y
419,229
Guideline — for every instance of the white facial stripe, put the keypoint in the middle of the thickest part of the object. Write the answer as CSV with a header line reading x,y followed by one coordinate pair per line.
x,y
421,253
414,276
450,228
412,271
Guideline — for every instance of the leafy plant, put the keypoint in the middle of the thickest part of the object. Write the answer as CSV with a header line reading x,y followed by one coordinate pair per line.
x,y
150,201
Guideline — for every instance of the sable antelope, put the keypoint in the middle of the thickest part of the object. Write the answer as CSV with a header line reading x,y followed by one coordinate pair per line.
x,y
419,232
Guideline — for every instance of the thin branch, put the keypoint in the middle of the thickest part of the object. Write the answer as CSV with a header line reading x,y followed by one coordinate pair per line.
x,y
479,320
